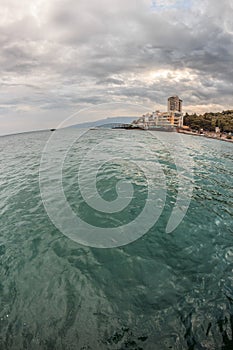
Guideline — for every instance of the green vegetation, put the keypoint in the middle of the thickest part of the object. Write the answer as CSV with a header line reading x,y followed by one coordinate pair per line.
x,y
209,121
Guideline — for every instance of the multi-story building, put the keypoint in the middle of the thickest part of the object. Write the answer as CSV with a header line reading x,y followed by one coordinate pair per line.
x,y
173,118
174,104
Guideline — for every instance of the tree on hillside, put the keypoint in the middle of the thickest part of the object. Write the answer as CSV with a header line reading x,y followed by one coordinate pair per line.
x,y
208,121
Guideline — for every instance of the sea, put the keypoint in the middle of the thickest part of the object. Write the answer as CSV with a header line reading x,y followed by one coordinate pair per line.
x,y
115,239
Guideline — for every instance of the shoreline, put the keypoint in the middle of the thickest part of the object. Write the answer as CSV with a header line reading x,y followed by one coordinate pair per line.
x,y
212,136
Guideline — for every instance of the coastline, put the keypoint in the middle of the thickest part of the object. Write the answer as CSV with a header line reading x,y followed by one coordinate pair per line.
x,y
208,135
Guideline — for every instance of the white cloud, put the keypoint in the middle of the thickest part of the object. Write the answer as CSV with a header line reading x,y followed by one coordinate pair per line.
x,y
64,54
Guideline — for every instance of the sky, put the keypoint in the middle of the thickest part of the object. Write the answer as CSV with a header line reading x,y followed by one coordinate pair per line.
x,y
61,56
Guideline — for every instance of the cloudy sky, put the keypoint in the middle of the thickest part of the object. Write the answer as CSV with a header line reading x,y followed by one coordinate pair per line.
x,y
60,56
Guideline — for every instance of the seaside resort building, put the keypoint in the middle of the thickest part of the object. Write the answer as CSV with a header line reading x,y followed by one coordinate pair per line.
x,y
172,118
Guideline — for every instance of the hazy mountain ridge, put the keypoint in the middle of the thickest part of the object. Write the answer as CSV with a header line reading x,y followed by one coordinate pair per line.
x,y
113,120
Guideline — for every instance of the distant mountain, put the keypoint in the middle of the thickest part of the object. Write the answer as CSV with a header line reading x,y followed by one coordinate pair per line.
x,y
106,121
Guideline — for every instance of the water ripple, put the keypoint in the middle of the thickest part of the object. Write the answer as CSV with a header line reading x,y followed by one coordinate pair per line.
x,y
161,292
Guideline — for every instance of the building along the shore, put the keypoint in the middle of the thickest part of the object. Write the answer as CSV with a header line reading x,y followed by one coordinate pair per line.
x,y
172,118
174,104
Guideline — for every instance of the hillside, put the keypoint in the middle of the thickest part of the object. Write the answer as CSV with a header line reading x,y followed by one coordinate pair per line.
x,y
208,121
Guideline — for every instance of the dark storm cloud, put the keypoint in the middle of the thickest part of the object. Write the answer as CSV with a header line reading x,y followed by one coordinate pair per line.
x,y
78,52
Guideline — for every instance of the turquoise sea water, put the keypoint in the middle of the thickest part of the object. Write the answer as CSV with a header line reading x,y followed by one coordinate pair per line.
x,y
163,291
